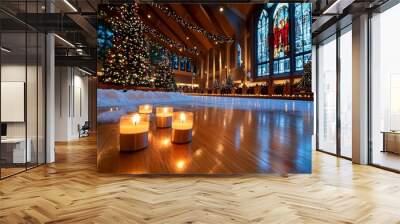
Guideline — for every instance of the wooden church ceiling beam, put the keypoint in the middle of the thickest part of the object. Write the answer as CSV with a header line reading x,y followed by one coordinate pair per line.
x,y
198,37
180,31
221,20
241,10
171,26
238,14
202,18
160,26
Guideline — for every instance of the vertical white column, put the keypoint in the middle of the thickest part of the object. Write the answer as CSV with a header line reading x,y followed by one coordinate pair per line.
x,y
360,90
50,98
50,91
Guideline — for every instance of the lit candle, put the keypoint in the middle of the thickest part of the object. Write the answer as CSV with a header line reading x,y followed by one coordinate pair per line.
x,y
145,109
133,124
182,124
164,111
164,117
181,121
133,132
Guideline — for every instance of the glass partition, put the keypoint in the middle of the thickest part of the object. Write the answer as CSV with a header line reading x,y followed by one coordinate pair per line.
x,y
13,94
326,98
22,89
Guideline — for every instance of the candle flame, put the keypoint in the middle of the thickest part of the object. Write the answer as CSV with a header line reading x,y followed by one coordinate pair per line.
x,y
180,164
182,117
135,119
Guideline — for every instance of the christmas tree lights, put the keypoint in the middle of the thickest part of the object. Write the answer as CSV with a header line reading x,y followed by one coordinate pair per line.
x,y
127,61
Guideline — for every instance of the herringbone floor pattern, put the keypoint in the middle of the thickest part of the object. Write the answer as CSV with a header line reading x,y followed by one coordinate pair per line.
x,y
72,191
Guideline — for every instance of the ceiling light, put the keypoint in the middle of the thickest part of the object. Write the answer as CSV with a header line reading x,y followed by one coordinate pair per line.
x,y
70,5
195,47
216,42
148,16
5,50
65,41
337,7
221,9
187,38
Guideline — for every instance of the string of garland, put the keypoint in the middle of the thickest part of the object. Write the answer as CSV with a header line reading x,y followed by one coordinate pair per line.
x,y
166,40
191,26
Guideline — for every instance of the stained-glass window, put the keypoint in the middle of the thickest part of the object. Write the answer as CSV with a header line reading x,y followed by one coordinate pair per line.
x,y
175,62
281,39
182,63
239,56
281,31
262,45
274,46
303,33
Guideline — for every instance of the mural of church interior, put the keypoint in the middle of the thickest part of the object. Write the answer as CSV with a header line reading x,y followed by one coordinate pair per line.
x,y
212,66
268,52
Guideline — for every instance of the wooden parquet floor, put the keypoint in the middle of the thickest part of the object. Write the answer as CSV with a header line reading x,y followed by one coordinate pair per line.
x,y
72,191
225,141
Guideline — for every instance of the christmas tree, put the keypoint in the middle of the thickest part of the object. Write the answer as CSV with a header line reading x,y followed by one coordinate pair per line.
x,y
127,61
163,77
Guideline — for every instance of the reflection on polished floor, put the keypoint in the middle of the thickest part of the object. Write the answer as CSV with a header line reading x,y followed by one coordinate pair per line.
x,y
225,141
386,159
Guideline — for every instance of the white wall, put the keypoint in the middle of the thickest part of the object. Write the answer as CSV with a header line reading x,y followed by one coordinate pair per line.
x,y
71,102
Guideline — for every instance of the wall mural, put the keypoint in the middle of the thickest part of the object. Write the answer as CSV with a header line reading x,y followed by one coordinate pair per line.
x,y
155,116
